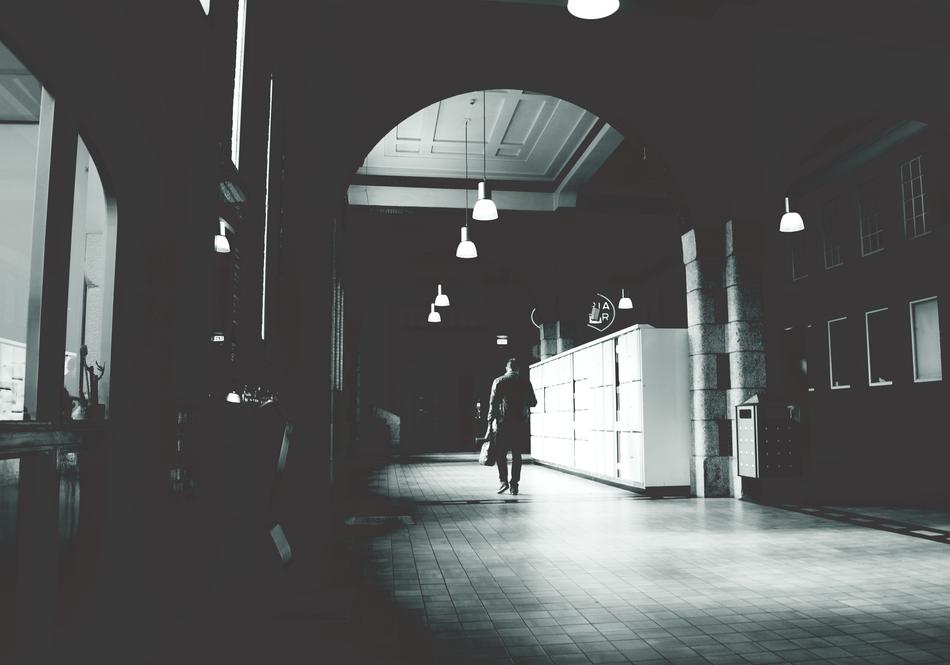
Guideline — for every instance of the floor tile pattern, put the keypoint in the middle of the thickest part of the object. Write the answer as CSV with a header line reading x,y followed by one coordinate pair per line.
x,y
572,571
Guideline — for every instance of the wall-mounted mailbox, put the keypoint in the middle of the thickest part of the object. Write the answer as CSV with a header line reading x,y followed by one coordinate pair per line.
x,y
768,439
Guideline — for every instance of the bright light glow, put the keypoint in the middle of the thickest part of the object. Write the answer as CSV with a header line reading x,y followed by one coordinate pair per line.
x,y
206,5
233,398
466,248
485,209
441,300
592,9
791,221
270,126
625,302
501,340
221,244
236,102
434,316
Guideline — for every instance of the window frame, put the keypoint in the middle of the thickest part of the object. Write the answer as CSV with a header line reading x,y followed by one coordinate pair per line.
x,y
867,336
913,340
831,368
923,197
880,227
828,223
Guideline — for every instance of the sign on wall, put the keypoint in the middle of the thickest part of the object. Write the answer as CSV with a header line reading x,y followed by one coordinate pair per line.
x,y
602,313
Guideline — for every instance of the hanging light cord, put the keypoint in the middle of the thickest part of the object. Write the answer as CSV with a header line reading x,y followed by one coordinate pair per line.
x,y
465,184
484,138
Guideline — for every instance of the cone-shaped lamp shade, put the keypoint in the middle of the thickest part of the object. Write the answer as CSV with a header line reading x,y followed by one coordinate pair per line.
x,y
625,302
233,398
791,221
466,248
434,316
592,9
441,300
485,209
221,244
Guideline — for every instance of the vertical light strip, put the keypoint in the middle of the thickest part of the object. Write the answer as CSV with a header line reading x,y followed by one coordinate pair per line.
x,y
270,128
238,84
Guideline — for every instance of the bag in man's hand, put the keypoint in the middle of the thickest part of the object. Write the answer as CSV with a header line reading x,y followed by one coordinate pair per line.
x,y
486,456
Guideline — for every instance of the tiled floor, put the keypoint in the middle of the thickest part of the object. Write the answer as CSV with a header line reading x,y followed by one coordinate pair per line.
x,y
572,571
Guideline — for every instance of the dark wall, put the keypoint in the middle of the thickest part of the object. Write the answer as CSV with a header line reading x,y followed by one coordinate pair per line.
x,y
866,443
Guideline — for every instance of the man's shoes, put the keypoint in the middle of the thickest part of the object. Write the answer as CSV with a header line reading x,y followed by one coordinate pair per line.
x,y
514,488
503,488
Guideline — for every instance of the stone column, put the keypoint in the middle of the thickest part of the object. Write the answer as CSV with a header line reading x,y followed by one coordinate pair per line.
x,y
703,257
548,342
745,329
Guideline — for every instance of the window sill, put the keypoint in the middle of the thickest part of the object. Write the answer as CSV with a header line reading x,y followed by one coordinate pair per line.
x,y
841,387
928,380
881,383
876,251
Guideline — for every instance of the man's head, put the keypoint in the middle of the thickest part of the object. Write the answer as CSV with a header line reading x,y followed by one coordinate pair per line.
x,y
513,365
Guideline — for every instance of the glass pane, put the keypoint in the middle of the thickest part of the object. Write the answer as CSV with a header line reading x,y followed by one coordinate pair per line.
x,y
839,357
19,132
880,347
926,331
91,277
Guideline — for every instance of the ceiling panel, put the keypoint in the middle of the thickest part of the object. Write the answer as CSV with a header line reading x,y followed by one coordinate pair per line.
x,y
19,90
530,137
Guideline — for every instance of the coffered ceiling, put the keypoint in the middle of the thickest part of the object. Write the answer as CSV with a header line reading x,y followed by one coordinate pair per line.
x,y
530,137
540,150
19,90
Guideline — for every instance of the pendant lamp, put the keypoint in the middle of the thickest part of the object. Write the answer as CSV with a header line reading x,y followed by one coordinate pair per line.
x,y
592,9
441,300
485,210
466,248
221,244
434,316
625,302
791,221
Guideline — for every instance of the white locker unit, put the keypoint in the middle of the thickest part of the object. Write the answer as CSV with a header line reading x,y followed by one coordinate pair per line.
x,y
618,408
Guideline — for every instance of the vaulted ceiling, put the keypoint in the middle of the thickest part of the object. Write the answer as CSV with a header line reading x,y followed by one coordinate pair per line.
x,y
538,151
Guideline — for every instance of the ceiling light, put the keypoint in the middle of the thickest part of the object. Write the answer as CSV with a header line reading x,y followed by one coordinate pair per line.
x,y
791,221
221,244
625,302
441,300
592,9
466,248
434,316
485,209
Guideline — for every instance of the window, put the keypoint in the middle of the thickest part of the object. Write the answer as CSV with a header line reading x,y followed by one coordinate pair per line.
x,y
914,198
270,127
800,262
838,365
831,215
237,99
20,141
869,216
89,301
925,340
878,331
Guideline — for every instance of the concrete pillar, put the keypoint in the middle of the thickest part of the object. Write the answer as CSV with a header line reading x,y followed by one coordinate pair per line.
x,y
704,261
548,342
745,328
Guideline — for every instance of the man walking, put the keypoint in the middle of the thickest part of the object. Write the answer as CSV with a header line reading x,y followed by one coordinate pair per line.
x,y
512,397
